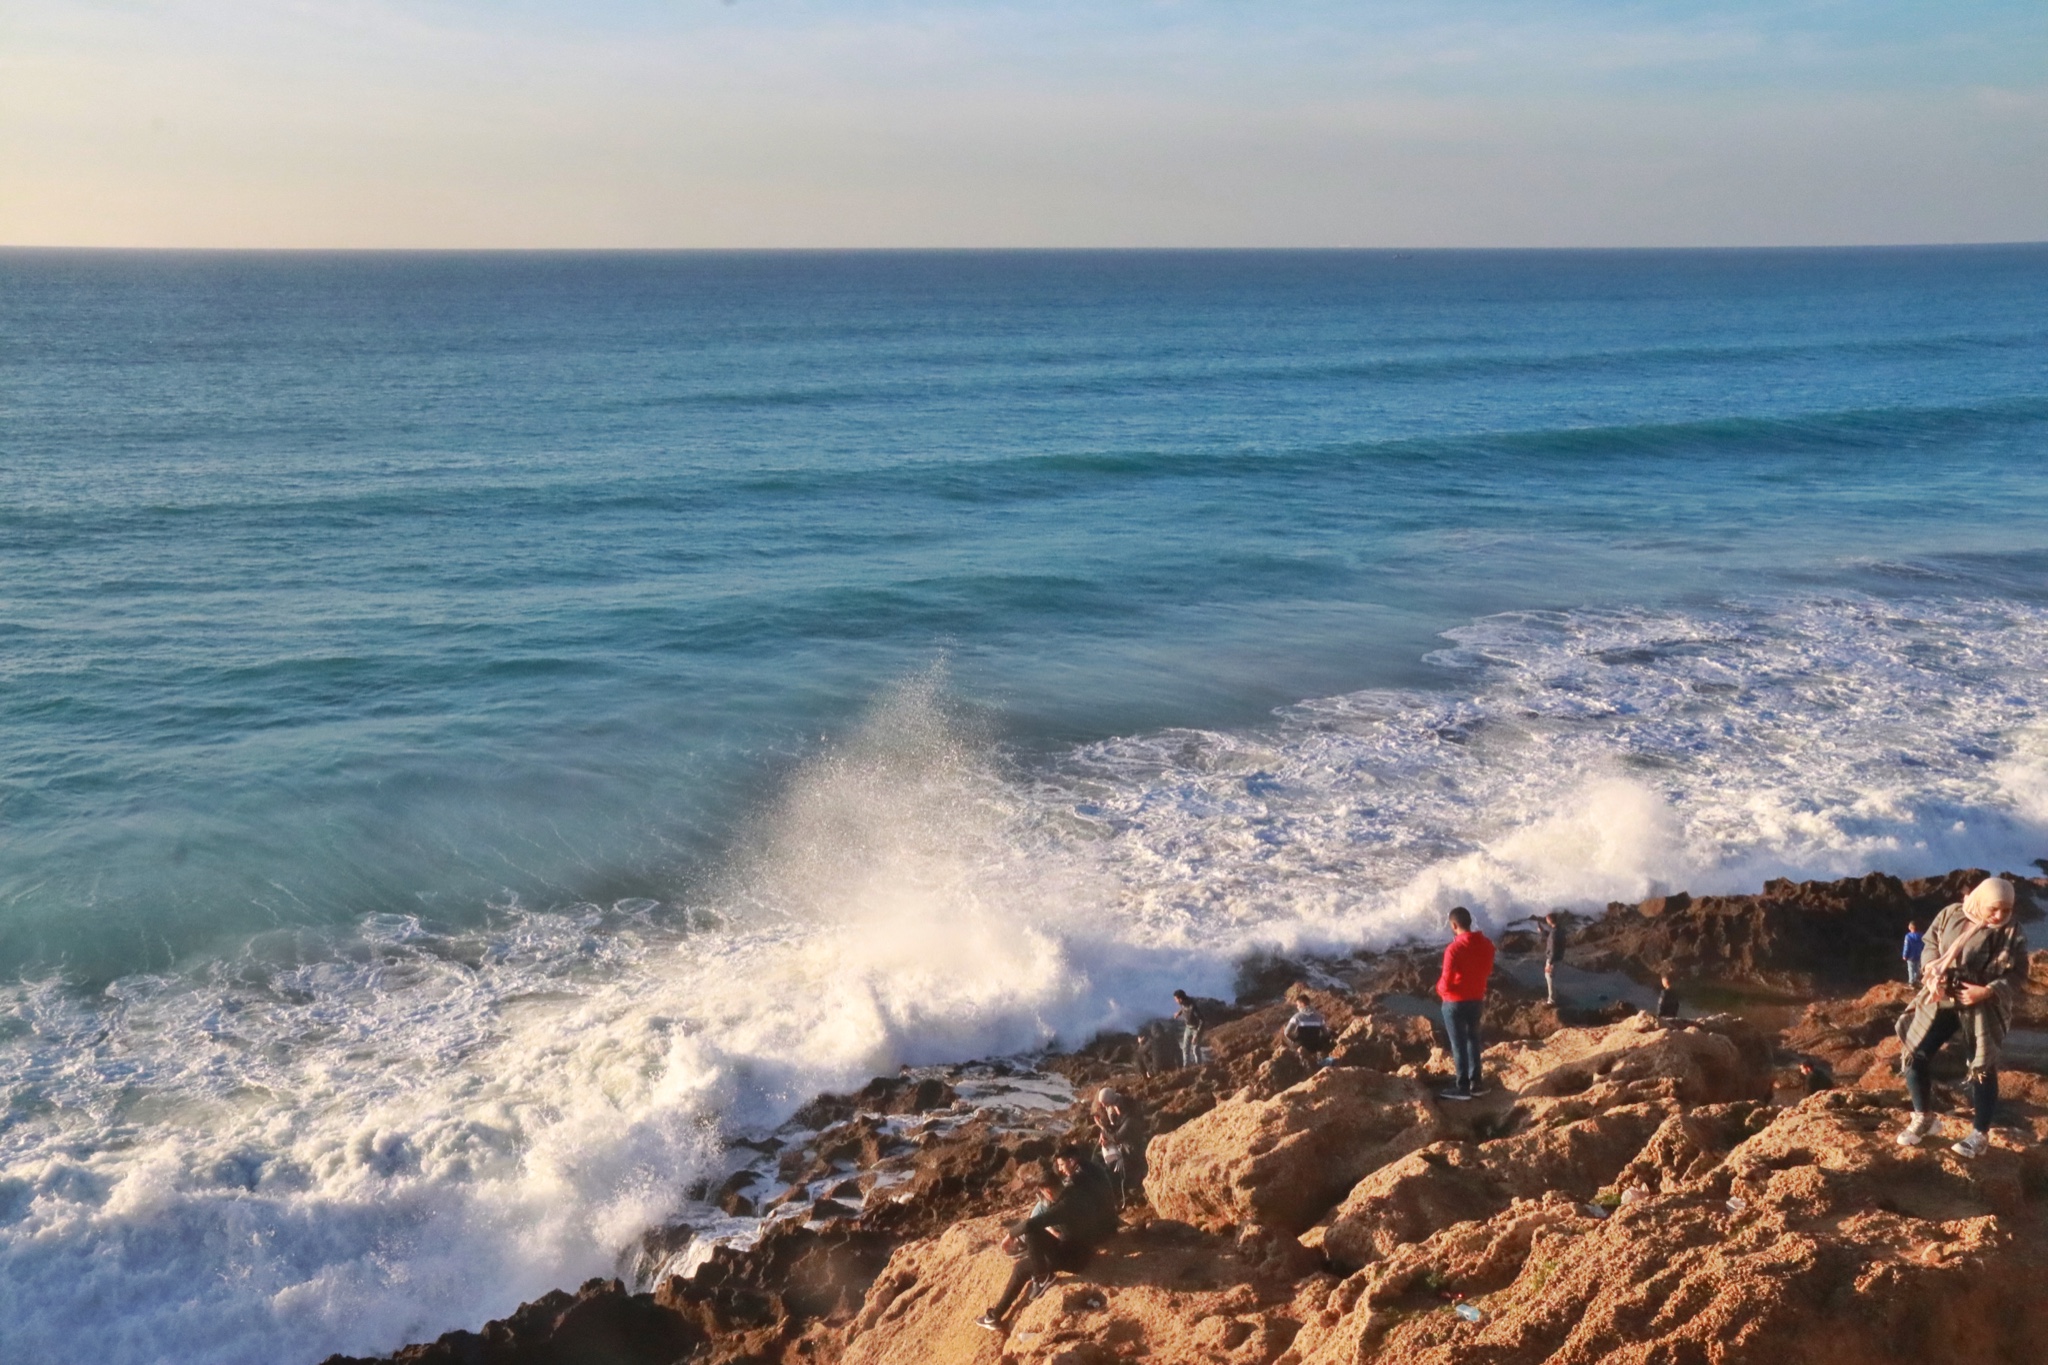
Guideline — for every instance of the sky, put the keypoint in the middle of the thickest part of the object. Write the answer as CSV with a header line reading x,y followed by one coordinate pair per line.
x,y
921,123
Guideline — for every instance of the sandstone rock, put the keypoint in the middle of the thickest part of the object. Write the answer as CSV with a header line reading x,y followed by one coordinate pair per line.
x,y
1711,1063
1163,1292
1843,1248
1280,1163
1445,1183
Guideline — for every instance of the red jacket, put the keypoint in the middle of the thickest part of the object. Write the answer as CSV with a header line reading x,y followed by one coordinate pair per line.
x,y
1468,961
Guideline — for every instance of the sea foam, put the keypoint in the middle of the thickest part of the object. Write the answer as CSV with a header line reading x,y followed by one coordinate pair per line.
x,y
342,1141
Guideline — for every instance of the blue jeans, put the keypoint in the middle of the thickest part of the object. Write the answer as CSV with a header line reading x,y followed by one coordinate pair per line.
x,y
1983,1086
1190,1045
1461,1022
1912,971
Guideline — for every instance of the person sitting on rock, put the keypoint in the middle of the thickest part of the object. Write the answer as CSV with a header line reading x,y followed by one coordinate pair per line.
x,y
1079,1215
1978,964
1192,1026
1468,962
1553,952
1120,1128
1910,952
1308,1033
1667,998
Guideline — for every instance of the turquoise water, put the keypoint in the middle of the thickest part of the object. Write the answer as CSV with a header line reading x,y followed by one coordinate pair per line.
x,y
473,725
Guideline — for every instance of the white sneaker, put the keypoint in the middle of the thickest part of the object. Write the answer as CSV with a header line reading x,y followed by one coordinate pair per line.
x,y
1919,1129
1973,1145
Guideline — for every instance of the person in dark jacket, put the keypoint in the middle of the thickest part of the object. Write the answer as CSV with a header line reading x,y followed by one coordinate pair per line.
x,y
1667,1000
1121,1130
1062,1235
1977,965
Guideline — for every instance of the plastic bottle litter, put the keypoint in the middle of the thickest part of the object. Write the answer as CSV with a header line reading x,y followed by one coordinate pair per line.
x,y
1631,1196
1469,1313
1737,1204
1596,1210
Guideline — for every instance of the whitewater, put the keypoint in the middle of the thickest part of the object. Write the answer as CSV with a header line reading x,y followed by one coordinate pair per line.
x,y
350,1139
480,731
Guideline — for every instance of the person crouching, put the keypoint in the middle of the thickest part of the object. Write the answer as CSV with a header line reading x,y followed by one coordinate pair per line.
x,y
1076,1214
1975,963
1121,1130
1308,1033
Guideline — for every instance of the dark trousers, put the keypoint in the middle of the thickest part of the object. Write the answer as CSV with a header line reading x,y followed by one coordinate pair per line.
x,y
1983,1088
1461,1022
1126,1170
1044,1255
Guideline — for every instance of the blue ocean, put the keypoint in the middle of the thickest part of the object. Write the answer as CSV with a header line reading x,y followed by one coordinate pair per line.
x,y
477,729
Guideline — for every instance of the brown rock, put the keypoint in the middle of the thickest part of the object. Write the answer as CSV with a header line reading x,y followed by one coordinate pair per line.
x,y
1282,1162
1710,1062
1163,1292
1843,1248
1794,935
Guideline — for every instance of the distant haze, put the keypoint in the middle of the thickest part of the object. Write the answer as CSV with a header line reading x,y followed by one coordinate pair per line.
x,y
768,123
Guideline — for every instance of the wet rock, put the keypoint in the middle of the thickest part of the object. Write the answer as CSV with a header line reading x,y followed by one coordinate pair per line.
x,y
1795,935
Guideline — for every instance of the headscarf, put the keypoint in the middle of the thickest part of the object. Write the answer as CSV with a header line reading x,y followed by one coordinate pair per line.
x,y
1985,900
1987,897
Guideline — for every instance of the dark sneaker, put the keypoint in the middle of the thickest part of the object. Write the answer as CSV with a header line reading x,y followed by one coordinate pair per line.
x,y
988,1320
1037,1288
1454,1094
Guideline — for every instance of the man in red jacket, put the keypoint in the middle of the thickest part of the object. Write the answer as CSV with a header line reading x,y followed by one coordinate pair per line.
x,y
1468,961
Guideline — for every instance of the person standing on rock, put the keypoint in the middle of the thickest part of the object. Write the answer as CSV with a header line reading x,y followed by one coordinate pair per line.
x,y
1977,966
1062,1235
1914,945
1553,952
1192,1026
1667,998
1468,962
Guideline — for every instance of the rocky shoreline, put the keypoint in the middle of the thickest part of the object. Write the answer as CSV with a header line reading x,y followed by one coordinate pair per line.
x,y
1627,1191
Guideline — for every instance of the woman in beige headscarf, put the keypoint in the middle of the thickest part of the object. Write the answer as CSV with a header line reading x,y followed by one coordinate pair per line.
x,y
1974,964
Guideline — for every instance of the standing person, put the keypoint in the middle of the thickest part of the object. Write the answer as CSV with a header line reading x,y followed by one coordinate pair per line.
x,y
1121,1130
1911,952
1468,962
1192,1026
1078,1215
1667,999
1979,965
1553,953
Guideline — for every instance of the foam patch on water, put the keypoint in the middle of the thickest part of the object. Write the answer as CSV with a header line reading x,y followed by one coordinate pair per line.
x,y
344,1142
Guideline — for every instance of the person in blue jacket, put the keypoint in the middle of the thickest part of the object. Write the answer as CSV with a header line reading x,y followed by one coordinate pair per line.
x,y
1911,952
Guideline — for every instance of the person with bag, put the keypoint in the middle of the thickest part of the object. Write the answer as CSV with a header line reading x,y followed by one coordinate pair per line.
x,y
1121,1131
1975,965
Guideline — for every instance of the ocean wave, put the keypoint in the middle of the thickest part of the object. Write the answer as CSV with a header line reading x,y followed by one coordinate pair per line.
x,y
346,1139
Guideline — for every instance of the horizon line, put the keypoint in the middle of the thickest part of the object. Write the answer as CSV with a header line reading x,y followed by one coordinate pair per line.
x,y
45,247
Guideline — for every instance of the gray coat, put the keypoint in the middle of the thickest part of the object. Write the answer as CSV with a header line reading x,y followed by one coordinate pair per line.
x,y
1996,958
